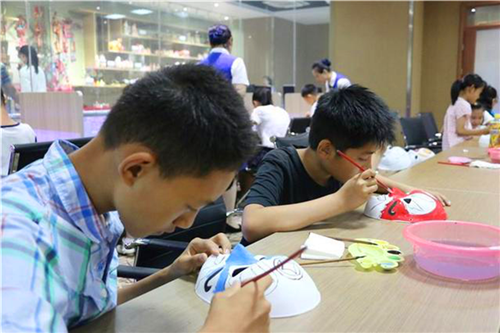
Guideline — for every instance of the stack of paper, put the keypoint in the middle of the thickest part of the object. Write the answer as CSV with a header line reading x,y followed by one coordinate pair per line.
x,y
322,248
486,165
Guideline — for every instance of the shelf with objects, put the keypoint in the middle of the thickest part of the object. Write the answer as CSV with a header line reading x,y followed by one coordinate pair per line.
x,y
120,51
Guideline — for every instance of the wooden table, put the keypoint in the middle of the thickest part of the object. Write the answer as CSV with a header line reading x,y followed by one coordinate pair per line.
x,y
434,176
407,300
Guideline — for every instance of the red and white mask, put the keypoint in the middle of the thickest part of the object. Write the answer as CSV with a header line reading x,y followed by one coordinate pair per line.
x,y
415,206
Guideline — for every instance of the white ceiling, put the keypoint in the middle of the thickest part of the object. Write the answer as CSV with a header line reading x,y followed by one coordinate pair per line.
x,y
235,10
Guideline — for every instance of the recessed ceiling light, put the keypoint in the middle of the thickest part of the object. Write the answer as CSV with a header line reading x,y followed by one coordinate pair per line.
x,y
141,11
216,4
185,9
182,14
226,18
473,10
114,16
98,8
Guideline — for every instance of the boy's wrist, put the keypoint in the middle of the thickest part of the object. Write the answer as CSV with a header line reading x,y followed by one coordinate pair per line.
x,y
340,204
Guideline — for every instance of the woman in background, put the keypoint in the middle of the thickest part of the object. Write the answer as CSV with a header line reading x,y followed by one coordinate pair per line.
x,y
323,74
31,74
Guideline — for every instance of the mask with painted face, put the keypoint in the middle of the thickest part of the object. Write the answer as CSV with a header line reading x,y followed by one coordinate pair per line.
x,y
415,206
291,293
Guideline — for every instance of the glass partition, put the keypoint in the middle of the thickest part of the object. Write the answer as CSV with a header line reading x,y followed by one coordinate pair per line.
x,y
99,47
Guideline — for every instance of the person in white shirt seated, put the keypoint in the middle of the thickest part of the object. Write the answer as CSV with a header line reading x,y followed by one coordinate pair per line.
x,y
323,74
31,74
310,95
12,133
269,120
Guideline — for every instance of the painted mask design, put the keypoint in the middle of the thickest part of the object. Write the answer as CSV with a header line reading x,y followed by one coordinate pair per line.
x,y
415,206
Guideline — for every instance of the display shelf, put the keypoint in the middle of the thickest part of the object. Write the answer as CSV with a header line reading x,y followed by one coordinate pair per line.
x,y
186,43
143,21
166,41
154,55
117,69
109,87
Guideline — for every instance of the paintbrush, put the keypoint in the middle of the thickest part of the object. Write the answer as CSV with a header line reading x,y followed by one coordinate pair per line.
x,y
347,158
329,261
353,240
269,271
456,164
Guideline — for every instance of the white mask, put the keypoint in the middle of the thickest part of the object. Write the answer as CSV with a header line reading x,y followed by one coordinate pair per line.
x,y
291,293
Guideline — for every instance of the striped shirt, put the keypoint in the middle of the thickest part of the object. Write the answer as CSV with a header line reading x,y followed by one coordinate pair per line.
x,y
58,254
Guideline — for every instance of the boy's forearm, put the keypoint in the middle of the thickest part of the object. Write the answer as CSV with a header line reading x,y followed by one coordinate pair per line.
x,y
145,285
259,221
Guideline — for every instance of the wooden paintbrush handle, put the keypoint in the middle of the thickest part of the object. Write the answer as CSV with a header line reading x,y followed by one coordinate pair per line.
x,y
329,261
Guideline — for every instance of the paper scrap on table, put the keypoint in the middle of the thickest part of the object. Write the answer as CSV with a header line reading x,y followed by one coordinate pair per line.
x,y
322,248
485,165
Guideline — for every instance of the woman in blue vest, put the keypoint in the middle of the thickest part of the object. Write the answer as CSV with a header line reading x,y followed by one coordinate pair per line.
x,y
324,75
220,57
233,68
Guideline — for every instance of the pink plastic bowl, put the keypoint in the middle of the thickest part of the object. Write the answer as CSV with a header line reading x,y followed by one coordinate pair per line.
x,y
494,154
458,250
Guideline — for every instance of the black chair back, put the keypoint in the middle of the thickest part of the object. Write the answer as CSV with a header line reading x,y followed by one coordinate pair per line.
x,y
210,221
299,125
298,141
24,154
413,131
430,126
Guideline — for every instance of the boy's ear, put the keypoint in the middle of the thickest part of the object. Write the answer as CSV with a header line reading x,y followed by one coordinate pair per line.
x,y
326,149
135,166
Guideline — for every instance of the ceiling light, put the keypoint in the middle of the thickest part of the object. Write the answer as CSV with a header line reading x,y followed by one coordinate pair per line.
x,y
473,10
185,9
181,14
141,11
226,18
98,8
114,16
216,4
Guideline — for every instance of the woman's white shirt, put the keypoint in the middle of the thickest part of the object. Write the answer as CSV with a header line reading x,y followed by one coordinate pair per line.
x,y
31,81
270,121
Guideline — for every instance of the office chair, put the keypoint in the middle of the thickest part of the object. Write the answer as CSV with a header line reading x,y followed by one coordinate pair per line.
x,y
298,141
288,89
24,154
430,126
415,135
299,125
156,252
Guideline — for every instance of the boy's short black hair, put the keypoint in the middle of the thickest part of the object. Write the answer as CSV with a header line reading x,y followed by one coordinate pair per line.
x,y
189,116
477,106
351,118
263,96
309,89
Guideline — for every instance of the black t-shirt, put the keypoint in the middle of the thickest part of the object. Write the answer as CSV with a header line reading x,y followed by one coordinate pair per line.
x,y
282,180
